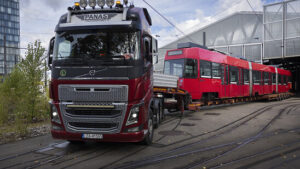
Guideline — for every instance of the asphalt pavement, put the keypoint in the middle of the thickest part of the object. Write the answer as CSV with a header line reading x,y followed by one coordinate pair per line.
x,y
244,135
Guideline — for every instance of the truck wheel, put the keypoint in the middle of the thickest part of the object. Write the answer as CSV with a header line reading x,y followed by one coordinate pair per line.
x,y
149,137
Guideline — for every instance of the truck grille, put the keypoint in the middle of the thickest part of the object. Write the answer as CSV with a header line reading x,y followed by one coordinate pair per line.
x,y
93,108
91,93
93,120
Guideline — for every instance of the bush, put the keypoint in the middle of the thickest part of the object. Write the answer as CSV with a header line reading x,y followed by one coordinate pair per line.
x,y
21,97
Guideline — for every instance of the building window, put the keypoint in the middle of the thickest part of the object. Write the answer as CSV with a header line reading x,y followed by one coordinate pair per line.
x,y
205,69
216,70
234,74
191,70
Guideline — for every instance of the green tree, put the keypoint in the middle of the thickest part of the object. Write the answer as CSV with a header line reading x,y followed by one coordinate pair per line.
x,y
32,67
21,95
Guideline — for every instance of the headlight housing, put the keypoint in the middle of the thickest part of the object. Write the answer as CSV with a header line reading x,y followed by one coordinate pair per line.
x,y
54,114
110,3
83,3
133,117
92,3
101,3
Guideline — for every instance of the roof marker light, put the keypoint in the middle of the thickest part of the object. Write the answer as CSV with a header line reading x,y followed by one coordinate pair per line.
x,y
92,3
83,3
101,3
77,4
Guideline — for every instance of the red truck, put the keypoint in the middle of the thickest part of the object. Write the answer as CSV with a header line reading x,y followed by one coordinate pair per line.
x,y
102,74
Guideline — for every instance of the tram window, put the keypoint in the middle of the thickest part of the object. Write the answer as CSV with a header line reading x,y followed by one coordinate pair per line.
x,y
241,76
216,70
270,78
279,80
205,69
274,78
256,77
234,74
191,70
246,76
266,78
285,80
289,79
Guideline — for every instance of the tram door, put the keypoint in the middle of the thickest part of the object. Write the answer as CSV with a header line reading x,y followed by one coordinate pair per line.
x,y
225,81
241,82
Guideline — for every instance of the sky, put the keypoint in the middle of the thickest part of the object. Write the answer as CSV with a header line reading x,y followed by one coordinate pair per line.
x,y
39,17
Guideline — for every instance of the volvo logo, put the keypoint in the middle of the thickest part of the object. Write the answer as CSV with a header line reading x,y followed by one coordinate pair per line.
x,y
92,72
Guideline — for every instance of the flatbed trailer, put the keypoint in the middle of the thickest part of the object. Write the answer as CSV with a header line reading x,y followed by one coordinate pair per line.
x,y
181,98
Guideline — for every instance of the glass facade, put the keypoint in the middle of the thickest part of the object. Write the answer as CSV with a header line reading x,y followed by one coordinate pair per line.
x,y
240,35
9,28
282,30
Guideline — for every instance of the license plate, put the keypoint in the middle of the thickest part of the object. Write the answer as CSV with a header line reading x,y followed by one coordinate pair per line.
x,y
92,136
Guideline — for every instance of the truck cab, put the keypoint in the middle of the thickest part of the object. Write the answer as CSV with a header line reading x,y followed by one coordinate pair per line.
x,y
101,74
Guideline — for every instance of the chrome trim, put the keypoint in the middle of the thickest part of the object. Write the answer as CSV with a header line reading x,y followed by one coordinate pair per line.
x,y
64,25
93,78
118,120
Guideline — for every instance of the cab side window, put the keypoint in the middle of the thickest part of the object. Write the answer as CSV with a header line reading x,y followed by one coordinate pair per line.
x,y
147,51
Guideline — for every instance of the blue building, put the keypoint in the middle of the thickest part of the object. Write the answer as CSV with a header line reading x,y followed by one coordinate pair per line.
x,y
9,30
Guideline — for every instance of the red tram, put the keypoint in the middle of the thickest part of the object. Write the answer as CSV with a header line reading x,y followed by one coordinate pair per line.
x,y
209,75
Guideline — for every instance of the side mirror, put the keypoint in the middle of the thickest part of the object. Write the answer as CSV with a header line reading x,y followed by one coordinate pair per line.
x,y
155,50
155,59
50,52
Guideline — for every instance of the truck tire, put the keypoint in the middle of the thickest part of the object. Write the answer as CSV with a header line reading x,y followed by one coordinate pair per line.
x,y
149,137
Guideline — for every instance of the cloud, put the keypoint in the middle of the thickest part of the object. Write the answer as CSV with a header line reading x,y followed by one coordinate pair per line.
x,y
39,17
222,9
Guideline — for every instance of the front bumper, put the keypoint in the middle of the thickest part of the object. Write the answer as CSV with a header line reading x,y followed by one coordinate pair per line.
x,y
119,137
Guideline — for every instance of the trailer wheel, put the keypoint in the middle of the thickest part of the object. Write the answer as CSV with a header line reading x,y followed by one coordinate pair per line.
x,y
149,137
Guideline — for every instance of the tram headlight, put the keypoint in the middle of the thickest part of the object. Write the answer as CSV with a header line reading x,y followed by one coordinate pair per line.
x,y
83,3
92,3
101,3
110,3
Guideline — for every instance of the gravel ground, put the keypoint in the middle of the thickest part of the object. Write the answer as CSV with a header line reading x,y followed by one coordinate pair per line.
x,y
31,132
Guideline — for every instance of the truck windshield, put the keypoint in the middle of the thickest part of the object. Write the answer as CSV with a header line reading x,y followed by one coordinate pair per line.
x,y
97,45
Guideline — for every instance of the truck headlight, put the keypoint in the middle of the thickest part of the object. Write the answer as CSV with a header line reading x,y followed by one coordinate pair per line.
x,y
133,117
54,114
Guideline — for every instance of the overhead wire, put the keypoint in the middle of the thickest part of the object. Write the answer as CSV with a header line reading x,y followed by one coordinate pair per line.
x,y
166,19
